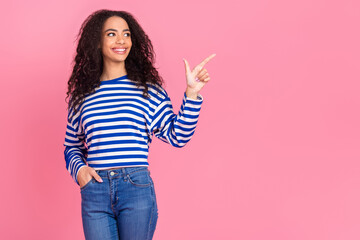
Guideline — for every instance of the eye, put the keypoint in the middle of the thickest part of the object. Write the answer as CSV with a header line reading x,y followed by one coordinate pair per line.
x,y
128,34
110,33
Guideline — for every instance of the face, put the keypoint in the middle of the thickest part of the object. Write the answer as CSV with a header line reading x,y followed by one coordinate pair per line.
x,y
115,40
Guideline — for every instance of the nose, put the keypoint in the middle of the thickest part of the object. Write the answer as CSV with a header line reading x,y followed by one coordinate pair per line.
x,y
120,40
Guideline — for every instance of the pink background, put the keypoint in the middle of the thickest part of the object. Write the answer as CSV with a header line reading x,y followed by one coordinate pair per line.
x,y
276,151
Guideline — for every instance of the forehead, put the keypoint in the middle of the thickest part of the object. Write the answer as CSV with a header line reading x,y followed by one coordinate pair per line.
x,y
115,22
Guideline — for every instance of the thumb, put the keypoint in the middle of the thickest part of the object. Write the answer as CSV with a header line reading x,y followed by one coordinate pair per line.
x,y
187,67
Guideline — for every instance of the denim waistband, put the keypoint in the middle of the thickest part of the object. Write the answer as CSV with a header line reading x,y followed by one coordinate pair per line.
x,y
122,171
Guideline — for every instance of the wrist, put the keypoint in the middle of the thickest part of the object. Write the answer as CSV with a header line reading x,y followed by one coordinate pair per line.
x,y
191,94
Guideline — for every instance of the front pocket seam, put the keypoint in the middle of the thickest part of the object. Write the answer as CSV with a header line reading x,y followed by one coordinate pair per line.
x,y
87,184
139,185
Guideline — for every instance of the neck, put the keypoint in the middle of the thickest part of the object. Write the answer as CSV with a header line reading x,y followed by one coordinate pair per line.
x,y
113,70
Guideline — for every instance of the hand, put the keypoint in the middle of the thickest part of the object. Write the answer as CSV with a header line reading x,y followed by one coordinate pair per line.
x,y
85,175
199,72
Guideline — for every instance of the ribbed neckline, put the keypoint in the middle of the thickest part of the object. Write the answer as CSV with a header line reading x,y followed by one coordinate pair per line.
x,y
114,80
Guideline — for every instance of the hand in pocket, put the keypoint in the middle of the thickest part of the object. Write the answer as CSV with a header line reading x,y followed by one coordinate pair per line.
x,y
85,175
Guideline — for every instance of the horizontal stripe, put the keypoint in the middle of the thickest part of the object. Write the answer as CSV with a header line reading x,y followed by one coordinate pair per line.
x,y
101,166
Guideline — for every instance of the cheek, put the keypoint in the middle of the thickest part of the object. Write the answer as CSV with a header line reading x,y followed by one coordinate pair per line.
x,y
108,42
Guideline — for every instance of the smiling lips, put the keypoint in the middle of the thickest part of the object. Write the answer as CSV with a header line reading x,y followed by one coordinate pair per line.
x,y
119,50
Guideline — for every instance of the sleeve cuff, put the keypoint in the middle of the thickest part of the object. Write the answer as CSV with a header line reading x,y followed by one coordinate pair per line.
x,y
76,174
199,98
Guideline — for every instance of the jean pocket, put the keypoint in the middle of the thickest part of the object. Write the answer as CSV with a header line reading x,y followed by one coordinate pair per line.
x,y
140,178
87,184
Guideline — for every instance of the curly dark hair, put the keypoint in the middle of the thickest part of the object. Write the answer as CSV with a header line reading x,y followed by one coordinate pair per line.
x,y
88,62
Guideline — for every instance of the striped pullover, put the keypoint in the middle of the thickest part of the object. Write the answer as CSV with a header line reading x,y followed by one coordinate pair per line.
x,y
115,125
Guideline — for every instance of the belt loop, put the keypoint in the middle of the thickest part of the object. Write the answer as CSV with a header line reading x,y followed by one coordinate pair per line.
x,y
123,169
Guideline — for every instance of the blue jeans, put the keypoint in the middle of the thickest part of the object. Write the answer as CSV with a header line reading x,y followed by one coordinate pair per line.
x,y
123,206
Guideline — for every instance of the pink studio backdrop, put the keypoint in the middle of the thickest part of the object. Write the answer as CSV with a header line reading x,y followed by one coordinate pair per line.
x,y
276,151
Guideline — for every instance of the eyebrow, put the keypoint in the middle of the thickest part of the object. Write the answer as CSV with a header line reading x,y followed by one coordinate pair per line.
x,y
111,29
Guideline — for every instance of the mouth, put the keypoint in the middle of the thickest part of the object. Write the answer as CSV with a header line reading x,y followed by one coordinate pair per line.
x,y
119,50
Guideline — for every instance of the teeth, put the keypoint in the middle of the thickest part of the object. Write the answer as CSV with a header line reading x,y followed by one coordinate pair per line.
x,y
120,50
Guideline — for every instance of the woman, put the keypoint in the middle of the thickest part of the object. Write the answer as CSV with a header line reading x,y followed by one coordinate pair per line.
x,y
117,103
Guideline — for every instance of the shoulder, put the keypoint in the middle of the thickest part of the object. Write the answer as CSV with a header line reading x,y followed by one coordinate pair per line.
x,y
157,91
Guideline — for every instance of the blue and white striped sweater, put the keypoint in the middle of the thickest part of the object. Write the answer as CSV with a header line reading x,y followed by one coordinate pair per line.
x,y
115,125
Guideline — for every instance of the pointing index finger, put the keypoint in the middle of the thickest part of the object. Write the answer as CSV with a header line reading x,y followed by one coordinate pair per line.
x,y
202,64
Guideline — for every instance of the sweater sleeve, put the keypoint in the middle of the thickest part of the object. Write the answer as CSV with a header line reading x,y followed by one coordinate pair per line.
x,y
174,129
75,151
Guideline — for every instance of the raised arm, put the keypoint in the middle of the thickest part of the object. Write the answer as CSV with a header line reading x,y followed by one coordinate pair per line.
x,y
178,129
174,129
